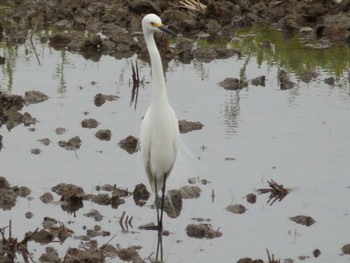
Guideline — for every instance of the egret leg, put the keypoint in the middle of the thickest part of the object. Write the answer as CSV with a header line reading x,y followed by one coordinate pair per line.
x,y
156,198
160,224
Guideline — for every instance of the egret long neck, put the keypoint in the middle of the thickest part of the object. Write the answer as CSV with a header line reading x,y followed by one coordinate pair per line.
x,y
158,82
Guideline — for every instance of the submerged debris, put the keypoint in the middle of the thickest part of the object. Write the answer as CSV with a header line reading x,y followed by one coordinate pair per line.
x,y
277,192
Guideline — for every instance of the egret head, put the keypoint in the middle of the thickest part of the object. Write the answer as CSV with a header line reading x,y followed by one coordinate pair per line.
x,y
152,23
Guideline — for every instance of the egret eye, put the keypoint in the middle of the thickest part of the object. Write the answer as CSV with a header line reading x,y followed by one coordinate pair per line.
x,y
153,24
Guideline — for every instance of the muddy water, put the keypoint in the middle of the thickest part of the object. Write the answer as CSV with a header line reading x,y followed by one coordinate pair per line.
x,y
297,137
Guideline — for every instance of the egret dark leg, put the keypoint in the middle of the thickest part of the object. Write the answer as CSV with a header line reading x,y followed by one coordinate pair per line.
x,y
160,224
156,197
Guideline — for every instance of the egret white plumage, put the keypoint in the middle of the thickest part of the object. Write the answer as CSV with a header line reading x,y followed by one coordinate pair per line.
x,y
159,138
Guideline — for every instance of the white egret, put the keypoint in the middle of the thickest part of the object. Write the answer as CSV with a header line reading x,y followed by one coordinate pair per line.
x,y
159,138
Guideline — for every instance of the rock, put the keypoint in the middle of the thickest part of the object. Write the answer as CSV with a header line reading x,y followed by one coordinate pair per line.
x,y
259,81
29,215
202,231
34,96
346,249
7,199
35,151
129,254
251,198
190,192
60,130
143,7
51,256
89,123
205,54
101,199
100,99
61,39
212,27
129,144
45,141
42,236
21,191
303,220
72,194
231,84
330,81
335,27
173,203
223,53
72,144
187,126
179,21
95,214
236,209
46,198
104,135
28,120
307,75
285,82
4,184
223,11
106,187
141,194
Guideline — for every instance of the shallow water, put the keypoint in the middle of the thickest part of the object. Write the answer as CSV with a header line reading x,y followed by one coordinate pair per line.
x,y
297,137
